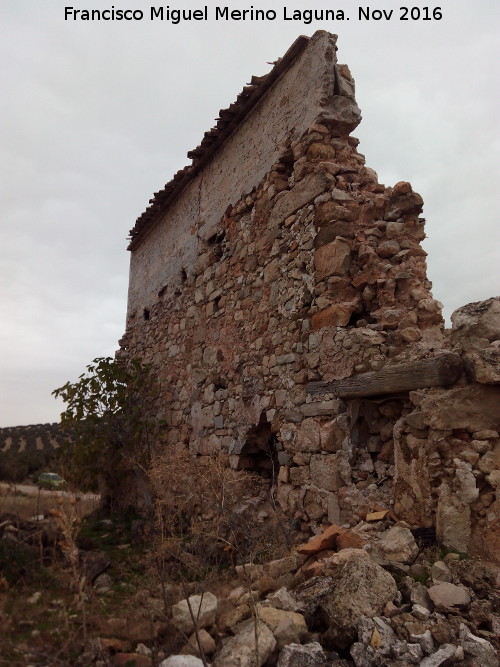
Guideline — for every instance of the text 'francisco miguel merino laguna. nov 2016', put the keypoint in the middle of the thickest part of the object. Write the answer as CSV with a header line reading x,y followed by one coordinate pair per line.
x,y
306,16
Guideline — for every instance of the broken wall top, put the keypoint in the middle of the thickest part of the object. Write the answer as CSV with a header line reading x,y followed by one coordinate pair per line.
x,y
306,84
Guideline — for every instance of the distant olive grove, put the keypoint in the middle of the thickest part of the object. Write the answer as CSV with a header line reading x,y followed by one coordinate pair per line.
x,y
27,450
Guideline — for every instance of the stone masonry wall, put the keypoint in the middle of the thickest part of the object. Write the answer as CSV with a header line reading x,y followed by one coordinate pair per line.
x,y
447,449
302,94
314,273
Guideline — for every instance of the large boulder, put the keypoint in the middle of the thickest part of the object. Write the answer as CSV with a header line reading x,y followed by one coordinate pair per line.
x,y
360,588
477,324
203,609
242,649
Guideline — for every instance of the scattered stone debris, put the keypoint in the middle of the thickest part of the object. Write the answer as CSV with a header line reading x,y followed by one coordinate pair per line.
x,y
363,614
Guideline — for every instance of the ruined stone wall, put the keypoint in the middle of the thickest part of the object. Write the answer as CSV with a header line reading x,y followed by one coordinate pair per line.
x,y
447,449
315,272
302,94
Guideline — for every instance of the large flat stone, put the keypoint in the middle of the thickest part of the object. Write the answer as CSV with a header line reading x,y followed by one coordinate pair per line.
x,y
361,588
336,315
320,408
332,259
326,540
446,595
302,193
472,407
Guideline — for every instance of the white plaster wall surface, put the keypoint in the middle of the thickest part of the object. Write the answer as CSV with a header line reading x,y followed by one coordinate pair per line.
x,y
169,247
287,110
284,113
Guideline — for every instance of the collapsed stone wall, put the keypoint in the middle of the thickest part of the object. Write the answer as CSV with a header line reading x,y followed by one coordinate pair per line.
x,y
447,449
277,108
315,273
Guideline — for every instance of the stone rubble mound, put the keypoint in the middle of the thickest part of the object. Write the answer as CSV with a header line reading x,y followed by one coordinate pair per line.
x,y
389,603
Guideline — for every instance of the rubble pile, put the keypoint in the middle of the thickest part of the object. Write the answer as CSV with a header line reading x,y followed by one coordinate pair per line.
x,y
389,603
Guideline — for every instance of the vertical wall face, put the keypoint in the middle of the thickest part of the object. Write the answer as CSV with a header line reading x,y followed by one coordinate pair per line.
x,y
313,272
304,92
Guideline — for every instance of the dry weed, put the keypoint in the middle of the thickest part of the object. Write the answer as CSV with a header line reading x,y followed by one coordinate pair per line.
x,y
27,502
205,514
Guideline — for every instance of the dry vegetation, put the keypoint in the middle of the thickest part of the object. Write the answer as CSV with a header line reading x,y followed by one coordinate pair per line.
x,y
54,610
14,500
205,506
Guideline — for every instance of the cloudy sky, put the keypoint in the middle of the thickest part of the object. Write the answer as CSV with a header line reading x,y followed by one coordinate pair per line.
x,y
96,116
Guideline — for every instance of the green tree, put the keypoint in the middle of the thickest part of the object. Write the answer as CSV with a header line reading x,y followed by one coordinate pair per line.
x,y
13,466
106,417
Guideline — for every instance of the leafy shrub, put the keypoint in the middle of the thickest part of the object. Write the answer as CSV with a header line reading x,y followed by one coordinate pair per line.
x,y
106,414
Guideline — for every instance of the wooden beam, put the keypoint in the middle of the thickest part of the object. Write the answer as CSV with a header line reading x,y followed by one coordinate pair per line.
x,y
441,370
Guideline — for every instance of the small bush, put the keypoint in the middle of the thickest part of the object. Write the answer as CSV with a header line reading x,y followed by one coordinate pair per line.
x,y
19,564
107,417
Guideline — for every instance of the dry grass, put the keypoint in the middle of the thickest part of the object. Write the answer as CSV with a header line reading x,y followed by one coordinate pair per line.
x,y
205,524
49,612
25,506
205,519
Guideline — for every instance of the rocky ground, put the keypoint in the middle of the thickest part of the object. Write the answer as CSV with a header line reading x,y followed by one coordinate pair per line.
x,y
97,593
331,602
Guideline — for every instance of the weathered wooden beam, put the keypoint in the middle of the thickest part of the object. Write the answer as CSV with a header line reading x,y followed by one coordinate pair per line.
x,y
441,370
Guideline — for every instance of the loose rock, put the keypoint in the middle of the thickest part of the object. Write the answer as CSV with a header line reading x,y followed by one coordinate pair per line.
x,y
298,655
241,651
361,588
203,608
446,595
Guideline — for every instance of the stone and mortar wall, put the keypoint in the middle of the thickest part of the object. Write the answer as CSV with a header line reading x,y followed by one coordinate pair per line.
x,y
447,449
314,273
301,95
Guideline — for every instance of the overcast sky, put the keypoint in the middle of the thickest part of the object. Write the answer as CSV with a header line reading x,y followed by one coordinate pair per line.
x,y
96,116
